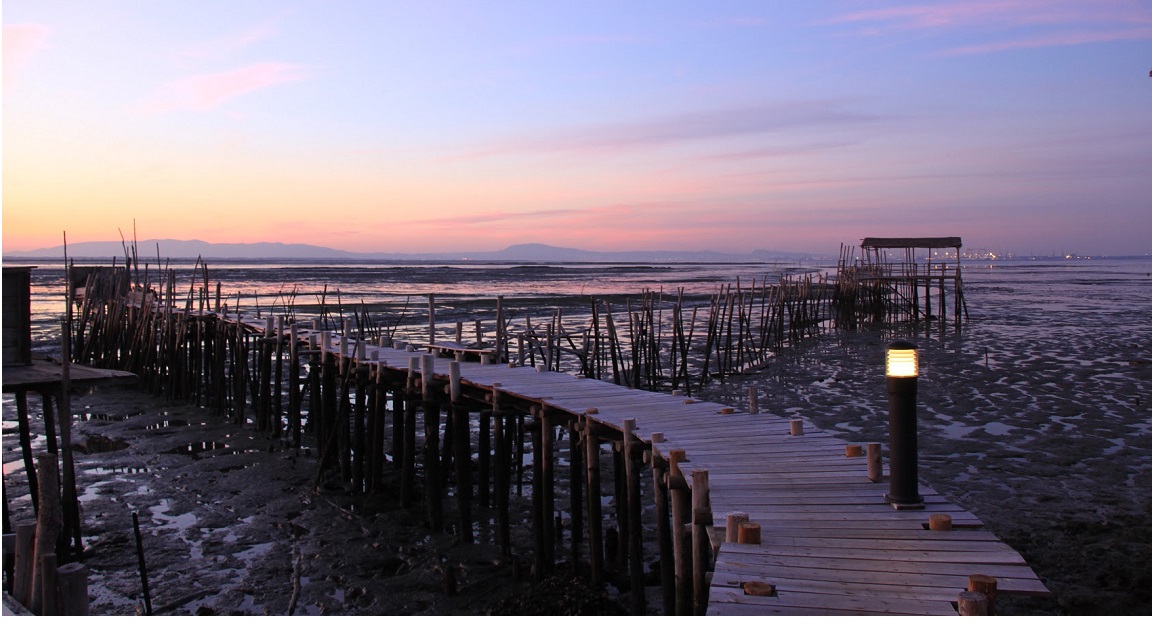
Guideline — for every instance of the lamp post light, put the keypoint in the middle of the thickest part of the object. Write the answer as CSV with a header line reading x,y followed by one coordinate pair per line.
x,y
902,370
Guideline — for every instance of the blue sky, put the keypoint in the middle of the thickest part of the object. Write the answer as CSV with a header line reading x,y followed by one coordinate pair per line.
x,y
1020,125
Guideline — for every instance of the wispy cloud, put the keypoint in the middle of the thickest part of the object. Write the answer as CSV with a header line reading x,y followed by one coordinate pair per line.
x,y
21,42
687,127
1000,25
1062,39
207,91
229,43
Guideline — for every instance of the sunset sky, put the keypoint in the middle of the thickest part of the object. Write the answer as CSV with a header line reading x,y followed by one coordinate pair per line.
x,y
1019,125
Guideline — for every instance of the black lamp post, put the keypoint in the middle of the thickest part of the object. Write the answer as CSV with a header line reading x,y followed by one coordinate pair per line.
x,y
902,369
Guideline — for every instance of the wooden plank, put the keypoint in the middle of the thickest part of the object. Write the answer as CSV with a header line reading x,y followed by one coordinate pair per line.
x,y
1006,583
800,603
1002,555
843,544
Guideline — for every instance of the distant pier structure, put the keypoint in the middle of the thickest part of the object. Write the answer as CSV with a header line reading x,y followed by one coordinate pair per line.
x,y
889,281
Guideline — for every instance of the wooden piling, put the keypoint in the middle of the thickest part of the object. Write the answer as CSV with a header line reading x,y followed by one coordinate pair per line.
x,y
635,528
461,439
49,521
681,523
701,543
432,485
595,516
660,494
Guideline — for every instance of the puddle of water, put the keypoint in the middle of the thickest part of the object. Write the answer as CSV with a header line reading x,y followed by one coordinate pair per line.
x,y
114,470
997,428
169,423
103,417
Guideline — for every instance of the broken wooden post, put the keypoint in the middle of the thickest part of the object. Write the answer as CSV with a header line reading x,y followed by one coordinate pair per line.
x,y
732,523
749,533
72,580
940,521
985,584
972,604
49,521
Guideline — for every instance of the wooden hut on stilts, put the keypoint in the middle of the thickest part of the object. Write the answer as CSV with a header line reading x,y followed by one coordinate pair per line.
x,y
890,281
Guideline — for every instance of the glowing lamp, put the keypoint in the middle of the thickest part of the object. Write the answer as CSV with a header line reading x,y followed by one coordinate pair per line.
x,y
902,368
901,360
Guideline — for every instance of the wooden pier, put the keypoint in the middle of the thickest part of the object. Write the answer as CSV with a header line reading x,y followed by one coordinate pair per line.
x,y
753,513
829,543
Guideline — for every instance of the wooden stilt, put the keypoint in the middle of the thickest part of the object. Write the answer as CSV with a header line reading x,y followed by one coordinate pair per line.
x,y
701,544
635,527
595,517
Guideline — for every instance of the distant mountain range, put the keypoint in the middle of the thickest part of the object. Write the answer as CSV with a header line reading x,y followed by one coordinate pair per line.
x,y
191,249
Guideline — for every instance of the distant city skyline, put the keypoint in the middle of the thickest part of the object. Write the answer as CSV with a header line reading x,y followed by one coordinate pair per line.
x,y
1021,126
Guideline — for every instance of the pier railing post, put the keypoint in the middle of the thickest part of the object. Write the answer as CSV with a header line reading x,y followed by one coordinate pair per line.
x,y
701,543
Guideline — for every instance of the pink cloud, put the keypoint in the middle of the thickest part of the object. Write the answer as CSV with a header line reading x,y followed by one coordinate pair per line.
x,y
21,42
205,92
1053,40
1077,22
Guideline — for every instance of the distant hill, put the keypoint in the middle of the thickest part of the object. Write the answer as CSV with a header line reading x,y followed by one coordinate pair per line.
x,y
191,249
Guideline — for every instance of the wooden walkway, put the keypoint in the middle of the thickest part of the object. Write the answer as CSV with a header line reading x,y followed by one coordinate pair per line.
x,y
831,544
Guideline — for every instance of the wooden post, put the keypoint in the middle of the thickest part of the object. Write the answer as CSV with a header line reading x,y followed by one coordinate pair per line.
x,y
701,544
462,440
972,604
49,521
663,527
49,597
681,520
294,408
538,515
986,585
72,580
732,526
749,533
753,401
875,464
796,426
433,498
24,571
431,319
484,459
408,472
547,430
25,429
635,538
576,488
940,521
595,516
503,486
